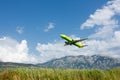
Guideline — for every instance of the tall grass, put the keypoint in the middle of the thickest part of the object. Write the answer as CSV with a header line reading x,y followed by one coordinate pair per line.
x,y
59,74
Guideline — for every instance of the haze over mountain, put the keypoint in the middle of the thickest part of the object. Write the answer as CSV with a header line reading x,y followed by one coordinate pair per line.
x,y
73,62
83,62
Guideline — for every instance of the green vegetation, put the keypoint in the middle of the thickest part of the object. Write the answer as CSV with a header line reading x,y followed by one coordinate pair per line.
x,y
59,74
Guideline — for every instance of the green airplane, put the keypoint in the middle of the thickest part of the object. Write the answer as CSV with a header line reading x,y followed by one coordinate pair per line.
x,y
70,41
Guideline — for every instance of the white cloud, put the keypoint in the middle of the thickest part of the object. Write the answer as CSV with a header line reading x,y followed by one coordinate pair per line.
x,y
109,47
13,51
105,40
49,27
104,16
19,30
107,35
4,38
55,50
104,19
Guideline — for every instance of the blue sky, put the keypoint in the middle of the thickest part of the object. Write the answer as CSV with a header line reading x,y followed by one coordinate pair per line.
x,y
35,26
35,16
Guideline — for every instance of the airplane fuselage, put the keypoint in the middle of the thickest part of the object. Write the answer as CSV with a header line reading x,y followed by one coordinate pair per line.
x,y
70,41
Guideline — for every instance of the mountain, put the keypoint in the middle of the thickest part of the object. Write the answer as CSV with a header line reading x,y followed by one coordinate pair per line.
x,y
15,65
83,62
74,62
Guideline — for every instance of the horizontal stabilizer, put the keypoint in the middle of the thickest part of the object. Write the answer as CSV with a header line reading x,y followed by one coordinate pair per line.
x,y
80,40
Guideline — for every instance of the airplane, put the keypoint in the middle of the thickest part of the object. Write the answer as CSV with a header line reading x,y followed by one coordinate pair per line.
x,y
70,41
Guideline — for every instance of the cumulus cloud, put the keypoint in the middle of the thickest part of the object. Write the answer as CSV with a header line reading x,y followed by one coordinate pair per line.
x,y
104,16
55,50
109,47
104,19
19,30
105,40
49,27
106,36
13,51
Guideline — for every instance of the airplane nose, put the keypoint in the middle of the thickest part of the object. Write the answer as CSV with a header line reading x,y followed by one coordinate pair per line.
x,y
61,35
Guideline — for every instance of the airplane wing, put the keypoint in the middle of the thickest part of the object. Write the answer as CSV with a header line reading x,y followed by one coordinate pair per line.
x,y
75,41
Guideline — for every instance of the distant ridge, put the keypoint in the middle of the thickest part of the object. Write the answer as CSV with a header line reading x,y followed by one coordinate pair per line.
x,y
73,62
15,65
83,62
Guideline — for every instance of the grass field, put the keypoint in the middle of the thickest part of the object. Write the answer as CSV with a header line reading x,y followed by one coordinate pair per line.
x,y
59,74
